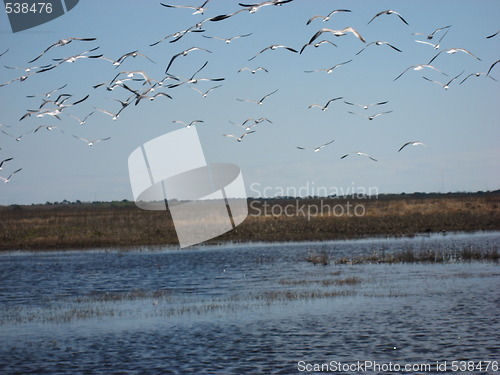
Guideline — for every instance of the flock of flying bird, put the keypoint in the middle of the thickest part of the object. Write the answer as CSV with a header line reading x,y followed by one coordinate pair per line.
x,y
55,103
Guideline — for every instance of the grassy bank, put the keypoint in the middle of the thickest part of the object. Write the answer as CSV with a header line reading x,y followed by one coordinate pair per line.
x,y
120,224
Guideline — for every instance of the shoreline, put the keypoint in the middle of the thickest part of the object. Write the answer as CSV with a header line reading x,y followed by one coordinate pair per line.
x,y
108,225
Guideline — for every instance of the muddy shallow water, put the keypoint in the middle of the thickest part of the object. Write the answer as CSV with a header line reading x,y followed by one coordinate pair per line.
x,y
247,309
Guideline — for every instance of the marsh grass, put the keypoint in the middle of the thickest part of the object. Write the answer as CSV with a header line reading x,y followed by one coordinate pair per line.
x,y
319,258
123,225
425,256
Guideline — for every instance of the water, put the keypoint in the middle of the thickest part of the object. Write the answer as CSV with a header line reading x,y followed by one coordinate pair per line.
x,y
246,309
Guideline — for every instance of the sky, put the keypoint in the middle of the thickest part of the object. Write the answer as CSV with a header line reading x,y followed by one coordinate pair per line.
x,y
460,126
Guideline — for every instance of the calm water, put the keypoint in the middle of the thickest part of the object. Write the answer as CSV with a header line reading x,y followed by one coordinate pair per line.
x,y
246,309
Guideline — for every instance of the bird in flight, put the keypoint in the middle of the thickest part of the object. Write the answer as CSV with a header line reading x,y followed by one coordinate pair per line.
x,y
316,45
61,43
5,180
412,143
82,122
325,107
253,71
358,153
431,35
177,35
272,48
227,40
240,138
205,93
341,32
419,67
91,142
370,117
47,94
184,53
259,102
327,17
316,149
365,106
252,8
187,125
476,75
328,70
379,43
447,84
452,51
388,12
197,10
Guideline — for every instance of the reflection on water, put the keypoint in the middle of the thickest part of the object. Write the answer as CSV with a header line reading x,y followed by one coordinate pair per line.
x,y
245,309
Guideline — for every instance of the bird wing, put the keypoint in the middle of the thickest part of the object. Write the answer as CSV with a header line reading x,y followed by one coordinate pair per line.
x,y
313,18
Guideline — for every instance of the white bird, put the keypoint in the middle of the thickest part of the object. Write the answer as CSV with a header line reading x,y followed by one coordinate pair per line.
x,y
253,71
20,79
72,59
135,53
47,94
5,180
341,32
252,8
91,142
184,53
130,74
435,46
82,122
196,80
366,106
316,149
327,17
18,138
61,43
431,35
114,116
205,93
28,69
358,153
476,75
240,138
197,10
444,85
316,45
272,48
412,143
49,128
452,51
259,102
328,70
371,117
325,107
227,40
5,161
177,35
419,67
255,122
379,43
388,12
187,125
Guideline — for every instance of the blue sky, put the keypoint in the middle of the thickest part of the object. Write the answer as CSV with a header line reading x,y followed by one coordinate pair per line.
x,y
460,125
